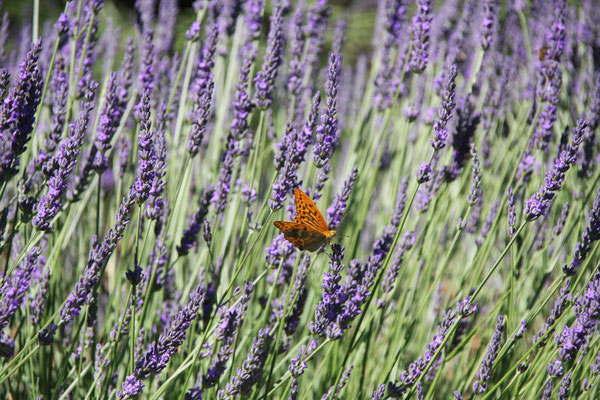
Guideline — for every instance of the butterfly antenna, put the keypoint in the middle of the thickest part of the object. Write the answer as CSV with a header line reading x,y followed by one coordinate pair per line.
x,y
343,218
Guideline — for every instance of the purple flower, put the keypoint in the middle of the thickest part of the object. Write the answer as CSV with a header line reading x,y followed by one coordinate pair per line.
x,y
550,77
146,76
462,139
539,203
146,154
157,356
335,212
487,24
328,308
38,302
46,336
64,159
16,286
297,65
249,374
424,173
387,285
202,91
406,379
60,89
587,312
253,17
97,259
440,132
474,190
485,370
563,391
292,152
336,390
265,78
385,88
327,131
298,364
155,205
421,25
193,32
132,387
190,234
589,236
17,112
108,122
560,305
229,322
512,213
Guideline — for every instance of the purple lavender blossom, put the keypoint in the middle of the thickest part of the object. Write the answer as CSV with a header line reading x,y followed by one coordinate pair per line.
x,y
328,310
550,77
17,112
474,190
440,132
37,304
296,66
16,286
335,212
326,137
407,379
97,259
421,25
485,370
239,130
539,203
587,311
60,88
202,91
384,87
560,305
155,204
512,212
487,24
589,236
462,138
146,153
424,173
253,18
230,320
190,234
249,374
265,79
159,353
292,152
565,386
387,285
46,336
65,160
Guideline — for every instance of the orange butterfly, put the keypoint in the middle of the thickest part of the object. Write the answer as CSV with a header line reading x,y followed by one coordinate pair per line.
x,y
309,230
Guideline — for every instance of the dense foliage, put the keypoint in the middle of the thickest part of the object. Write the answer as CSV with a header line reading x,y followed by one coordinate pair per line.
x,y
456,159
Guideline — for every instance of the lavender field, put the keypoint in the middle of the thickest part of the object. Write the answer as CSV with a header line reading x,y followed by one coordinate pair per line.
x,y
143,161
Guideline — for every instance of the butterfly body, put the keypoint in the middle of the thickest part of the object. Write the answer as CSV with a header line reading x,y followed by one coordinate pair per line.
x,y
309,231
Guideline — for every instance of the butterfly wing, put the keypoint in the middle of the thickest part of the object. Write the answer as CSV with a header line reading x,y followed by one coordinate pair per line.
x,y
301,236
307,212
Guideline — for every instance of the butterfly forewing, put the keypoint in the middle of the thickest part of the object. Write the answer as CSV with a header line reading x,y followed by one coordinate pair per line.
x,y
307,212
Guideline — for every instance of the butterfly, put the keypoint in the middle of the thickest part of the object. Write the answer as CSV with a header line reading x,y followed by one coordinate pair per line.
x,y
309,230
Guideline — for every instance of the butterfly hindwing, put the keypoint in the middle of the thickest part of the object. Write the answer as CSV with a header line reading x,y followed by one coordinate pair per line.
x,y
307,212
301,236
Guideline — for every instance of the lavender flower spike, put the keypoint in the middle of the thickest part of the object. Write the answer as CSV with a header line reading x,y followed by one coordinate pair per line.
x,y
484,373
335,212
539,203
146,154
265,79
420,37
440,132
65,159
252,367
17,112
590,235
326,138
